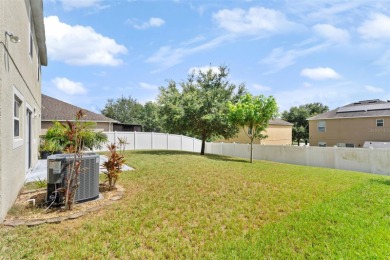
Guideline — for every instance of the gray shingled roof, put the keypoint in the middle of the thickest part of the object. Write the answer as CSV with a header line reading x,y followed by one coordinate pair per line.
x,y
54,109
366,108
278,121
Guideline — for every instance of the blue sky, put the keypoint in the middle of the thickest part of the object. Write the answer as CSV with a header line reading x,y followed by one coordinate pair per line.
x,y
334,52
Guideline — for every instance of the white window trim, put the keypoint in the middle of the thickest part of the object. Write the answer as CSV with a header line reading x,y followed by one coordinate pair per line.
x,y
383,122
17,142
324,126
30,35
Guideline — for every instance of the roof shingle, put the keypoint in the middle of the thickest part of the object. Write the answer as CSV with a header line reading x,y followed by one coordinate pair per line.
x,y
366,108
54,109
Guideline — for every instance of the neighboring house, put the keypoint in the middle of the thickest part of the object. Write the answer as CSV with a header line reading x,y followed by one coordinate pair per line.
x,y
57,110
352,125
279,132
22,52
122,127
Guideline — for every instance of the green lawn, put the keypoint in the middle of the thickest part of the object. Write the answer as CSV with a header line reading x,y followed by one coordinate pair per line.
x,y
182,205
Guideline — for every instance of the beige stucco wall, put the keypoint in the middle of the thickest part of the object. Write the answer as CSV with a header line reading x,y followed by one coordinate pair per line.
x,y
277,135
350,130
18,73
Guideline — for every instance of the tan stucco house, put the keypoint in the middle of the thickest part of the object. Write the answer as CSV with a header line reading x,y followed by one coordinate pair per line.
x,y
57,110
279,132
22,52
352,125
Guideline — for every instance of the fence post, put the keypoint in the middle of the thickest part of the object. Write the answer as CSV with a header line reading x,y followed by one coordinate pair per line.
x,y
151,136
114,137
193,144
135,139
181,143
167,141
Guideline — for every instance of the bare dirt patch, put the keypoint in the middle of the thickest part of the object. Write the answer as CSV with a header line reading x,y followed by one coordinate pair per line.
x,y
24,212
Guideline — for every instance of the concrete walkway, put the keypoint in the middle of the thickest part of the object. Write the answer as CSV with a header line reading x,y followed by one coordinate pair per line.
x,y
39,171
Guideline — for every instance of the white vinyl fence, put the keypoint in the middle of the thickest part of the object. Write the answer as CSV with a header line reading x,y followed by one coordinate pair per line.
x,y
154,141
355,159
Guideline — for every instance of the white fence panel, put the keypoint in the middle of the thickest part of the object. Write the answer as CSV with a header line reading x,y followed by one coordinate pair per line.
x,y
160,141
198,145
273,153
321,157
143,141
188,144
129,138
356,159
380,161
228,149
174,142
242,150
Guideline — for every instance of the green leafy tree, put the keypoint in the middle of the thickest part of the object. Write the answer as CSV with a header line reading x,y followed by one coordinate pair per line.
x,y
150,118
200,107
125,110
298,116
252,114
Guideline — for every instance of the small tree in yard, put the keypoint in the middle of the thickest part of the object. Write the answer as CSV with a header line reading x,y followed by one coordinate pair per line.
x,y
198,107
74,146
113,166
253,113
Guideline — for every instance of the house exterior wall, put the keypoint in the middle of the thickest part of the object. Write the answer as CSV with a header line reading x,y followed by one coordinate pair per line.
x,y
18,76
277,135
349,131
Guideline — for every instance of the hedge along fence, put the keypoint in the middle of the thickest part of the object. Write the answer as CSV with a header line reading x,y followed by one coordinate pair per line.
x,y
355,159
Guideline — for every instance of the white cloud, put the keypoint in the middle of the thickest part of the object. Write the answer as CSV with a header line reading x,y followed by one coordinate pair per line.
x,y
332,33
376,28
148,86
257,20
261,87
69,87
204,69
80,45
74,4
373,89
167,57
279,58
320,73
152,22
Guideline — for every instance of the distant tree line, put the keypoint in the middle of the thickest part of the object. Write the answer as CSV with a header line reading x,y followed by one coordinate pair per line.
x,y
208,106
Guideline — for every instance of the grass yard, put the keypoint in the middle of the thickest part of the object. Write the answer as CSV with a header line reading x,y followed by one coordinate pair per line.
x,y
182,205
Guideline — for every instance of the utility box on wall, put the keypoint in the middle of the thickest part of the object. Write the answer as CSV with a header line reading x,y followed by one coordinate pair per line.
x,y
59,167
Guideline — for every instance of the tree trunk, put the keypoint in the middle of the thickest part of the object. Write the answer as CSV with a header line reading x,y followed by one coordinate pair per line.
x,y
203,145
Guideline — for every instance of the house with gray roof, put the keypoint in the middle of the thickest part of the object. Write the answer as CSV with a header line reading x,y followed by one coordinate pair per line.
x,y
352,125
56,110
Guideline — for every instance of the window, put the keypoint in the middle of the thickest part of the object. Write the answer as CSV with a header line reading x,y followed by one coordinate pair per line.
x,y
322,144
17,105
321,126
350,145
380,123
249,131
17,113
